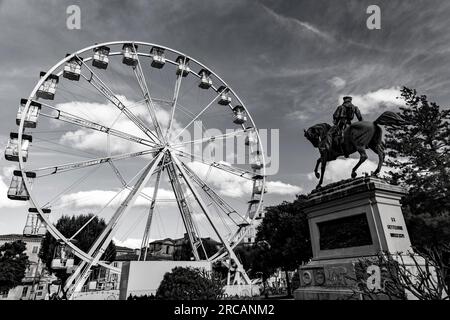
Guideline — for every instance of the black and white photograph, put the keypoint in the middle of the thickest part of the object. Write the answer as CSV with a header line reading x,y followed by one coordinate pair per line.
x,y
235,157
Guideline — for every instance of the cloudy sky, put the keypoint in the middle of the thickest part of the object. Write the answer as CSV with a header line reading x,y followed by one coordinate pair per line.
x,y
289,61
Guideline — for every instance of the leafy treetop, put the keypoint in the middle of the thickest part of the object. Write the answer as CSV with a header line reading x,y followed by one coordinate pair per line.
x,y
13,264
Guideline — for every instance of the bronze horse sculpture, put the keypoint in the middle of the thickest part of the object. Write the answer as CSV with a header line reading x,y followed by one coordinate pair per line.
x,y
357,137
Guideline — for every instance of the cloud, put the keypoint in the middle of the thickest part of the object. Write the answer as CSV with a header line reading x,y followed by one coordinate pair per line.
x,y
376,101
8,170
337,82
226,184
5,179
295,25
298,114
105,114
132,243
108,115
233,186
281,188
99,198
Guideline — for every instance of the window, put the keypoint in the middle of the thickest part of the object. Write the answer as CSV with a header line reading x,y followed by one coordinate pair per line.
x,y
39,294
24,292
5,294
35,249
31,271
41,288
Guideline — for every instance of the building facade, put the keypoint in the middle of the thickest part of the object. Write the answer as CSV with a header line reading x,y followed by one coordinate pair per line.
x,y
35,284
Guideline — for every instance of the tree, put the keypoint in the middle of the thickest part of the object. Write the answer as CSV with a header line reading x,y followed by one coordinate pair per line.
x,y
13,264
68,226
189,284
286,231
184,252
418,153
211,246
144,297
255,260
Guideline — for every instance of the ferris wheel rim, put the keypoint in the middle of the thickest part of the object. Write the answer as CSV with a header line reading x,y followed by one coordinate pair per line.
x,y
50,227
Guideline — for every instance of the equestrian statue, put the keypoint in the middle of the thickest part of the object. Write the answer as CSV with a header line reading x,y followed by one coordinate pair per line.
x,y
345,137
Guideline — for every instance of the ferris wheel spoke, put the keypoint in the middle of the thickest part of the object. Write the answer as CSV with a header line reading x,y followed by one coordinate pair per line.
x,y
139,74
233,240
182,109
117,173
215,198
103,89
82,122
143,194
224,136
196,117
176,93
205,210
145,238
98,248
126,185
245,174
136,104
88,163
50,145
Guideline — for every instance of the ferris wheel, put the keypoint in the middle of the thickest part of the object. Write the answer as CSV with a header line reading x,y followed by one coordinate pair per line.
x,y
131,132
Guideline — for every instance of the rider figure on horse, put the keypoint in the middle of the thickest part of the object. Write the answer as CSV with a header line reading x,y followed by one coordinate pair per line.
x,y
342,118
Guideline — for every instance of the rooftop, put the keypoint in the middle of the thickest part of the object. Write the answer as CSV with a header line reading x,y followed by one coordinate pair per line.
x,y
123,248
14,237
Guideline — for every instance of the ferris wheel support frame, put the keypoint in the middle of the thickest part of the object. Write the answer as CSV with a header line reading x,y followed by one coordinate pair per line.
x,y
98,248
205,210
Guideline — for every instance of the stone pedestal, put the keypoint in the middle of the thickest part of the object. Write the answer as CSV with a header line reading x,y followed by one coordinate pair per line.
x,y
349,220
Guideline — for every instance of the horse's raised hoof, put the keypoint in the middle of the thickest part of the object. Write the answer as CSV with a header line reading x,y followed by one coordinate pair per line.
x,y
317,175
353,174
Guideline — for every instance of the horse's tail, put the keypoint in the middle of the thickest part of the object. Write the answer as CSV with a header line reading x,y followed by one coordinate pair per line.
x,y
389,118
